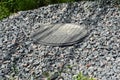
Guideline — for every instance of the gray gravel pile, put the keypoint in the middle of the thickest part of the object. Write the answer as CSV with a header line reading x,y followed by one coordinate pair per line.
x,y
98,55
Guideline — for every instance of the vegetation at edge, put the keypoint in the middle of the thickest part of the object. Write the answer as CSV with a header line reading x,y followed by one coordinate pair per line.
x,y
80,76
11,6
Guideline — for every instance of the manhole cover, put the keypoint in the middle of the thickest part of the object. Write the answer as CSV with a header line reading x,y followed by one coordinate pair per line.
x,y
58,34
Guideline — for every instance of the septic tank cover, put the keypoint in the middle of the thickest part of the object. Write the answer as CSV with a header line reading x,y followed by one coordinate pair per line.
x,y
58,34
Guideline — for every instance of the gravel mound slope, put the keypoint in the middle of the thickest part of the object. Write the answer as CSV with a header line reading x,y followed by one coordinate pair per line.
x,y
98,55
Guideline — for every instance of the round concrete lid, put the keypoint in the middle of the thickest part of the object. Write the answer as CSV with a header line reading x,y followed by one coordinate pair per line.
x,y
58,34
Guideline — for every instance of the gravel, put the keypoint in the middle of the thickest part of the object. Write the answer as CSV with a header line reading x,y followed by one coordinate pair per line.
x,y
98,55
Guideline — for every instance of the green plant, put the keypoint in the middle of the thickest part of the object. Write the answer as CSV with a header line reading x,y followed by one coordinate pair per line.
x,y
46,74
4,12
14,69
80,76
9,4
69,66
26,4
